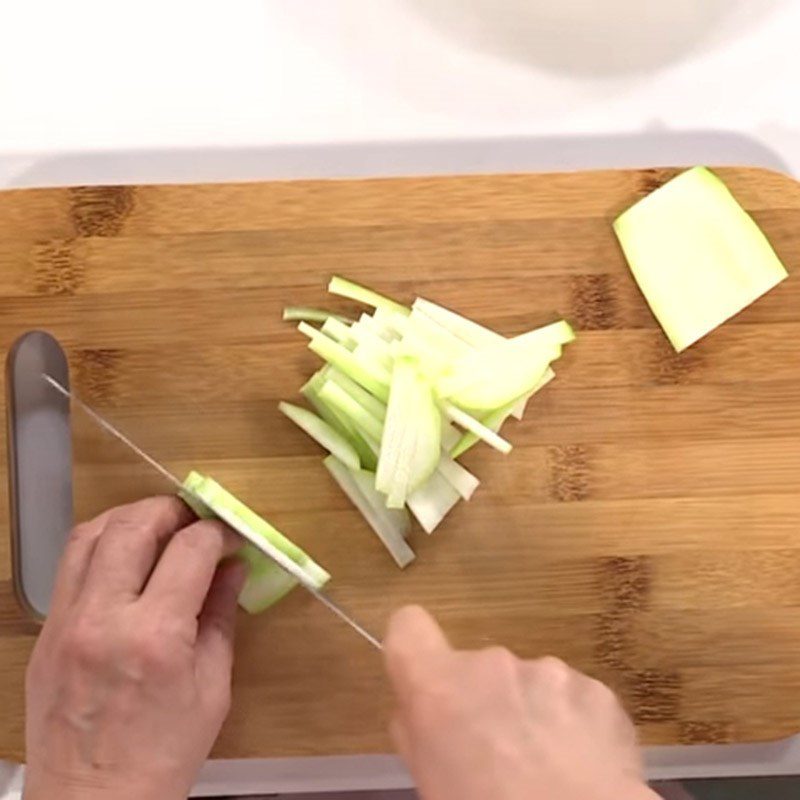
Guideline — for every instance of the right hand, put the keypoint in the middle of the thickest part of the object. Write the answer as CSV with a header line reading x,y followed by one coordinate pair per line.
x,y
482,724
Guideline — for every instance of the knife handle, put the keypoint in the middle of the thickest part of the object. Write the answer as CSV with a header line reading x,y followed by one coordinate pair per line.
x,y
39,467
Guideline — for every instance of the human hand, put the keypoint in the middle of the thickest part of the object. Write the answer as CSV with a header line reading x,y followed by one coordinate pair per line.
x,y
481,724
129,682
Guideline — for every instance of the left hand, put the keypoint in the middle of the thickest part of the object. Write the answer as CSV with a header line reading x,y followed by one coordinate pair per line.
x,y
129,682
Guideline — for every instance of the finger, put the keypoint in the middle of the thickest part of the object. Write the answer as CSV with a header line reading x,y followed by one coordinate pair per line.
x,y
401,739
129,544
74,563
413,647
217,622
180,581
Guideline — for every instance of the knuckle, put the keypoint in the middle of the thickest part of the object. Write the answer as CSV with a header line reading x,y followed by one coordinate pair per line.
x,y
500,661
84,532
602,693
553,670
204,538
86,645
149,653
129,528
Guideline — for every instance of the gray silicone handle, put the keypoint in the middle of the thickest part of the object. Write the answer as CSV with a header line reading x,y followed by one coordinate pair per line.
x,y
39,466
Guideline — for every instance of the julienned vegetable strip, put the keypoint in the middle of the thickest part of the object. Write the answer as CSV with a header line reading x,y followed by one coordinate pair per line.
x,y
432,501
361,294
267,582
476,427
303,313
360,395
408,391
335,396
321,432
373,377
387,532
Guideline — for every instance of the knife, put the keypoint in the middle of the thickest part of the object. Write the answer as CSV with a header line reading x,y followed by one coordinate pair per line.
x,y
267,548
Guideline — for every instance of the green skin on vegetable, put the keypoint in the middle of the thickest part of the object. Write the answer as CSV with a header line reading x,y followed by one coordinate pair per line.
x,y
266,582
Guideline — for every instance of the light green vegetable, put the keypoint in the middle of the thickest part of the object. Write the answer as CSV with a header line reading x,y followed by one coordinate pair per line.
x,y
336,397
266,582
303,313
411,437
465,329
359,394
336,420
460,478
493,376
478,428
432,501
322,433
374,353
494,419
373,376
397,519
361,294
338,331
697,256
384,526
406,388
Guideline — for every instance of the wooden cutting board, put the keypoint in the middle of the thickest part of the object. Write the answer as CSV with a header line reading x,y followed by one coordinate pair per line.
x,y
645,528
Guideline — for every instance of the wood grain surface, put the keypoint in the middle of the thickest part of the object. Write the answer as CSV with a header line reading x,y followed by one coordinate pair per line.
x,y
645,528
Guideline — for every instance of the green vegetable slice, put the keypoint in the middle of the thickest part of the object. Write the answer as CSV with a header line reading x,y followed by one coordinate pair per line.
x,y
396,384
266,582
450,435
359,394
386,528
354,291
374,356
696,254
397,519
494,419
365,334
473,425
435,347
465,329
333,394
377,327
494,376
374,377
459,477
411,437
306,314
433,501
337,420
338,331
322,433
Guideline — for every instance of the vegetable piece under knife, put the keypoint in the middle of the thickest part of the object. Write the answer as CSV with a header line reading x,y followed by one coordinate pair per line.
x,y
266,582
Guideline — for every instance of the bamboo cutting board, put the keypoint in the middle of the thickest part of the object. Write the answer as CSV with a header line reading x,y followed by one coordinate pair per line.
x,y
646,527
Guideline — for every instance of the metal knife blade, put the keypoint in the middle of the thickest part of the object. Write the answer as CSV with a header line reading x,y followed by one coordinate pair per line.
x,y
267,548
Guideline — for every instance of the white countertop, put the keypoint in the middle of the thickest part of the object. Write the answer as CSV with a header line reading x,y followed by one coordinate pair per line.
x,y
93,91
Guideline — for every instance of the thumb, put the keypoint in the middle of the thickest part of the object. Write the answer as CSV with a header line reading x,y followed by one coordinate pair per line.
x,y
217,620
414,647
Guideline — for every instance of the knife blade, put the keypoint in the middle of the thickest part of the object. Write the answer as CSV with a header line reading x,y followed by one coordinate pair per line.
x,y
265,547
